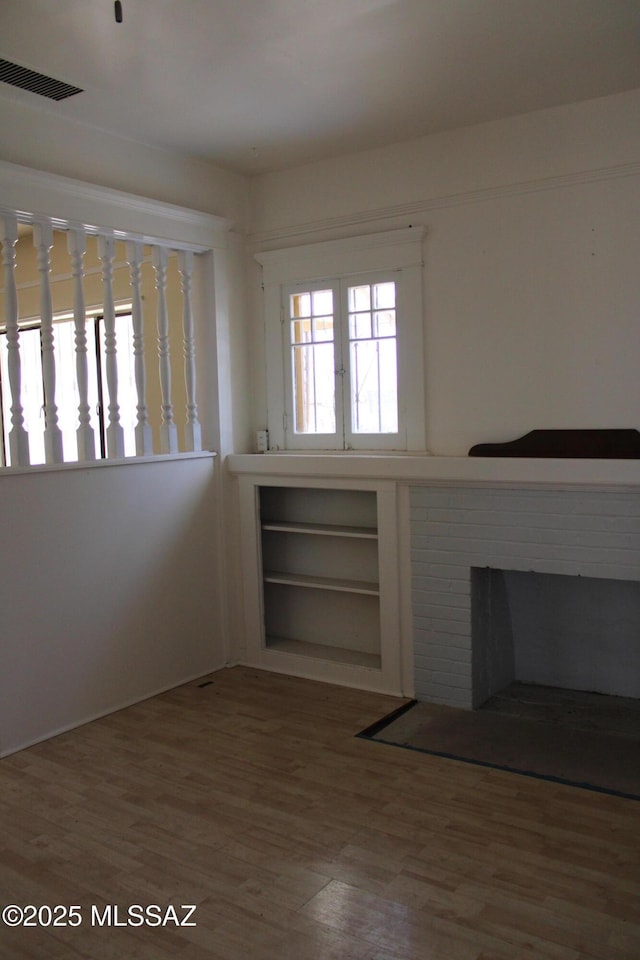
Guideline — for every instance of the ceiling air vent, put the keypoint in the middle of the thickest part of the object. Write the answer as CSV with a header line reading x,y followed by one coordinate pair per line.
x,y
35,82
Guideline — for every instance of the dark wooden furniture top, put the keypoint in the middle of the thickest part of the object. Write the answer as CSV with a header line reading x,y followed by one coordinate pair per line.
x,y
582,444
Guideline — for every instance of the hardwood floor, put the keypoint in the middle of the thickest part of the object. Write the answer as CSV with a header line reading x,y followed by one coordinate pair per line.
x,y
251,798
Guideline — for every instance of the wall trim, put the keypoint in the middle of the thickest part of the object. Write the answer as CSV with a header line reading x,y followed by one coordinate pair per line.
x,y
75,202
304,230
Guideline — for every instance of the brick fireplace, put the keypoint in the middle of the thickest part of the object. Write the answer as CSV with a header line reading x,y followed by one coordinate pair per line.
x,y
459,530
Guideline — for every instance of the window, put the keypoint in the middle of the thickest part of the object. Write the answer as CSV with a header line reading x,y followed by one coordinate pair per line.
x,y
342,360
67,397
344,349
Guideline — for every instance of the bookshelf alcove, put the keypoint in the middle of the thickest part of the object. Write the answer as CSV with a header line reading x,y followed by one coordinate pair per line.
x,y
321,582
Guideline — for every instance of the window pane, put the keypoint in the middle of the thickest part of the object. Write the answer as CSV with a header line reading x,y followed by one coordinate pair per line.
x,y
388,386
323,329
385,323
314,389
301,331
301,305
374,389
360,326
312,358
322,302
373,359
359,298
384,295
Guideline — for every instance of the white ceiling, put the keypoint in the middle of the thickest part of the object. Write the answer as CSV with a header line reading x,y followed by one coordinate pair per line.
x,y
257,85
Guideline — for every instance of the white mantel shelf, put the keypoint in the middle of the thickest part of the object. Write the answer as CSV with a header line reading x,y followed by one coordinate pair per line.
x,y
417,469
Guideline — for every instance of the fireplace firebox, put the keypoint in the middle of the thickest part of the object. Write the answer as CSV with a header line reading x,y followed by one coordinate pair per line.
x,y
577,633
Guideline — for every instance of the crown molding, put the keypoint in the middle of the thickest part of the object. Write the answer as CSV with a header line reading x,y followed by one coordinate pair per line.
x,y
333,225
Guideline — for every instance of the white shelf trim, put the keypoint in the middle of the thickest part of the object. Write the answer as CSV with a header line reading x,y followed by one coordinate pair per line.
x,y
320,651
322,583
321,529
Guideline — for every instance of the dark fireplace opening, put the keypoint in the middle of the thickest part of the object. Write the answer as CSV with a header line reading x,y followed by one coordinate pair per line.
x,y
556,631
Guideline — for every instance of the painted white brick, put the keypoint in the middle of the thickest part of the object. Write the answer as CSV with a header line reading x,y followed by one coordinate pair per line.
x,y
451,614
455,672
433,601
585,532
440,571
450,628
456,648
449,652
432,617
444,665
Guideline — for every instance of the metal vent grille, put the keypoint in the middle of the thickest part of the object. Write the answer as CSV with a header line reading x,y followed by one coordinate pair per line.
x,y
36,82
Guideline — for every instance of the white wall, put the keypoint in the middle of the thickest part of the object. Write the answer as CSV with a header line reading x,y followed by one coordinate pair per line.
x,y
110,590
531,280
50,142
556,142
84,629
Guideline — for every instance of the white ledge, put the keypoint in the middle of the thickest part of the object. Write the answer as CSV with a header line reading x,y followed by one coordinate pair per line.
x,y
98,464
407,468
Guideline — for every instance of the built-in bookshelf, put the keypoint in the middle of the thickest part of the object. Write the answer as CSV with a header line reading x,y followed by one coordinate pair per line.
x,y
320,578
321,591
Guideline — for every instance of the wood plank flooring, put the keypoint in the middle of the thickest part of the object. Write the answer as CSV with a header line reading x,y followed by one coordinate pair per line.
x,y
251,799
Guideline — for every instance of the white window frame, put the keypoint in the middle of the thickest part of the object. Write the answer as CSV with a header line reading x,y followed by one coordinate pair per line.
x,y
396,255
